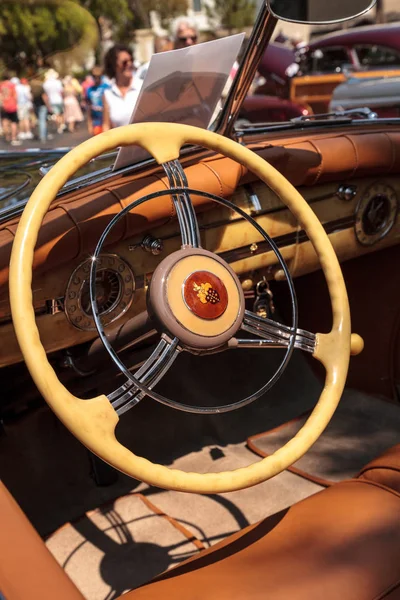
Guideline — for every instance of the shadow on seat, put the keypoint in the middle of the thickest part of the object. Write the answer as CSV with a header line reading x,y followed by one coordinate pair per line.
x,y
342,543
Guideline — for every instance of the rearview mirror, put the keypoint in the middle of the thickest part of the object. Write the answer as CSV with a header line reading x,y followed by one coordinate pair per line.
x,y
315,11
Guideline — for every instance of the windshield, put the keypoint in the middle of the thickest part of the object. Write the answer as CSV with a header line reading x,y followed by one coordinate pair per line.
x,y
71,69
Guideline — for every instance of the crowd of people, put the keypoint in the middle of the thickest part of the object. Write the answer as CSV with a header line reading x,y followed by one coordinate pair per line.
x,y
104,99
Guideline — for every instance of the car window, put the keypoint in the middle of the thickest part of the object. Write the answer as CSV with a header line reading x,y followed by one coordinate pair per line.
x,y
325,60
371,56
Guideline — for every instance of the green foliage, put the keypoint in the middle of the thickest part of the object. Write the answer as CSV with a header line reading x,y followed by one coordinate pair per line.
x,y
112,14
233,15
33,29
169,9
117,11
166,9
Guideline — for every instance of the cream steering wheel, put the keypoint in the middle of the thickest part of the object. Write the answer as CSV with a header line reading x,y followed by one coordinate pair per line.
x,y
93,421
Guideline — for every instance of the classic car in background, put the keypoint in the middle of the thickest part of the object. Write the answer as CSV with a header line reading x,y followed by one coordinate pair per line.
x,y
260,108
372,51
309,75
380,95
361,48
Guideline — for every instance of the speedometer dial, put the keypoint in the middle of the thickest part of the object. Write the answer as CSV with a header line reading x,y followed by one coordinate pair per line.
x,y
376,213
115,286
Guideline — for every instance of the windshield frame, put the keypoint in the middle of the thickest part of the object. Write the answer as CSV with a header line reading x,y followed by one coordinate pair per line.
x,y
260,37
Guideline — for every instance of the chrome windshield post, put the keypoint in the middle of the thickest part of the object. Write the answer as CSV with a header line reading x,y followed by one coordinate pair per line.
x,y
258,41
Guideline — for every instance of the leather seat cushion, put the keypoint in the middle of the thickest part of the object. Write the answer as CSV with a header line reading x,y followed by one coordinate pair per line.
x,y
27,569
385,469
342,543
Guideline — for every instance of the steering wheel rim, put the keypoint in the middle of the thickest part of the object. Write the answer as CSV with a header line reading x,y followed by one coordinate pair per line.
x,y
93,421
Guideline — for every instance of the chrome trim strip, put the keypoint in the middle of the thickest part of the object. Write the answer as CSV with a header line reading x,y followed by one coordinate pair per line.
x,y
150,373
242,343
183,205
262,128
141,372
282,241
254,200
276,333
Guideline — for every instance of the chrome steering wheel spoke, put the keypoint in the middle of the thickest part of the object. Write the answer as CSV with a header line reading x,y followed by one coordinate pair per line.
x,y
183,205
272,334
149,374
174,297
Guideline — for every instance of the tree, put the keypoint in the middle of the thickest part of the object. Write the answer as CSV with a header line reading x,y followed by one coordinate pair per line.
x,y
115,12
166,10
169,9
233,15
33,30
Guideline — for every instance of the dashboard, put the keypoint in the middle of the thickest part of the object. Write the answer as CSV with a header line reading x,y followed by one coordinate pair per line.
x,y
359,211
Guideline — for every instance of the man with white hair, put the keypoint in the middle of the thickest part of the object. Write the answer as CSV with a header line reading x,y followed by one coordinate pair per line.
x,y
184,32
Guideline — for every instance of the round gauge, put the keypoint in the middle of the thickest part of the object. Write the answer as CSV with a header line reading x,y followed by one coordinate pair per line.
x,y
376,213
108,292
115,286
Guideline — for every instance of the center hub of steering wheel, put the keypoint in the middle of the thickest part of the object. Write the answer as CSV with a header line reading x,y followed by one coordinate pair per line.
x,y
205,295
197,297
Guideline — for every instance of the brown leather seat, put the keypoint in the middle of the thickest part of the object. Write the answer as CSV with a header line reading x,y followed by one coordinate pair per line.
x,y
27,569
342,543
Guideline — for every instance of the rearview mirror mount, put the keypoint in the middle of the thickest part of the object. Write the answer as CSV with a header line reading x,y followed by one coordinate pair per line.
x,y
316,12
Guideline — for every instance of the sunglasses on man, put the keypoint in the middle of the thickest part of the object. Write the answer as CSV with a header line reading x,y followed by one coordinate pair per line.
x,y
193,38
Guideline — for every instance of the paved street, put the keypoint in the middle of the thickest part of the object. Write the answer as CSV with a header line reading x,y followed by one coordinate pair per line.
x,y
65,139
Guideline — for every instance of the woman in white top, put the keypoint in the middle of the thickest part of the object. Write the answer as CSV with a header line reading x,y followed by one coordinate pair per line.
x,y
120,99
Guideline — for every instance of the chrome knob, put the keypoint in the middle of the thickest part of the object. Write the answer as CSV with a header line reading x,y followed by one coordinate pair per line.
x,y
153,245
347,192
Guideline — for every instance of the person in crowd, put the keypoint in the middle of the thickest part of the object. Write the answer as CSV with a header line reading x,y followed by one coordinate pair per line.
x,y
42,106
9,106
72,110
24,107
86,84
95,102
121,97
184,32
54,90
163,44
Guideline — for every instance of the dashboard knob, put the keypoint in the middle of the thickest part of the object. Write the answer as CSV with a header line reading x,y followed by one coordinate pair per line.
x,y
347,192
153,245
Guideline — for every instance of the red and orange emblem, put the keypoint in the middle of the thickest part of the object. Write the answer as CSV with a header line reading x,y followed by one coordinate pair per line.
x,y
205,295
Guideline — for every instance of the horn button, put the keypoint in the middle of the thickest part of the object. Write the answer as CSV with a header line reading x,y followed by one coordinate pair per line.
x,y
205,295
197,297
